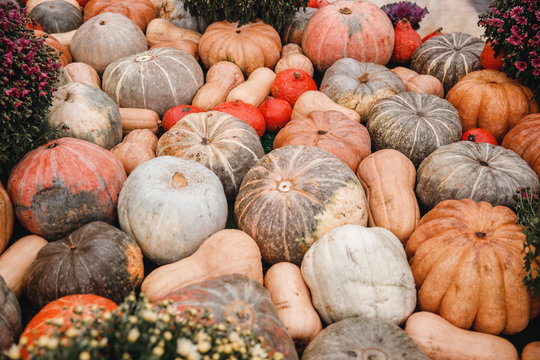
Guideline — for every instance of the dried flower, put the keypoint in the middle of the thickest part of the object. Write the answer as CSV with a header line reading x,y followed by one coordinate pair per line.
x,y
405,10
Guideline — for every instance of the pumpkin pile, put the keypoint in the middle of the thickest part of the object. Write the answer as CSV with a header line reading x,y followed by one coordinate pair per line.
x,y
333,188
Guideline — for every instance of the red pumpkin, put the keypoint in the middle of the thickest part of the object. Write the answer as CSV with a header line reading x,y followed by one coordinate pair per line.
x,y
479,135
174,114
291,83
406,41
276,112
246,112
488,58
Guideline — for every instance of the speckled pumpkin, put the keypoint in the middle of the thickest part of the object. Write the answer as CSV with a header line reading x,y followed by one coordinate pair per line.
x,y
10,317
359,85
294,195
414,124
57,16
221,142
524,140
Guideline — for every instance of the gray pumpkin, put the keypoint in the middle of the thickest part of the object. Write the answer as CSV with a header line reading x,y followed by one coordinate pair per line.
x,y
469,170
292,31
448,57
10,317
359,85
57,16
413,124
175,12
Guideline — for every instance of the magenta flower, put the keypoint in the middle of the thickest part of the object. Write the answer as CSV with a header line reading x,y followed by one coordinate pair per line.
x,y
518,10
536,72
521,65
536,62
521,20
514,40
515,29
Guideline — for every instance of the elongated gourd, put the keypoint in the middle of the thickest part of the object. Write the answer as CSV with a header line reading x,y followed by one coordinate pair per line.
x,y
255,89
220,79
134,118
161,30
312,100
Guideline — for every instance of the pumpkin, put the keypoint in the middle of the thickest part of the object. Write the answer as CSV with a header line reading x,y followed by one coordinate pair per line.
x,y
348,29
131,81
82,72
295,61
479,135
490,100
6,218
467,264
57,16
175,114
330,130
187,45
294,195
291,83
359,85
363,338
531,351
106,38
245,112
276,112
291,48
10,317
161,31
137,119
175,12
255,89
415,82
294,29
249,46
221,142
243,303
95,259
448,57
414,124
59,49
64,184
313,100
488,58
186,206
390,194
468,170
133,152
406,42
81,111
524,140
31,4
227,251
141,12
65,38
220,79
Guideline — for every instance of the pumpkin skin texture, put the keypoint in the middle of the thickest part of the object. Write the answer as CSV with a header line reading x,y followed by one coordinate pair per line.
x,y
293,31
363,338
10,317
467,264
186,206
106,38
414,124
479,135
221,142
175,114
330,130
524,140
415,82
6,218
531,351
348,29
64,184
175,12
382,285
448,57
294,195
57,16
141,12
85,113
245,301
249,46
488,99
468,170
359,85
130,81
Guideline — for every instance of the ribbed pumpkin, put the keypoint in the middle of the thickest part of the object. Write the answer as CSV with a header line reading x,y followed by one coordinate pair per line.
x,y
359,85
292,32
105,38
490,100
84,112
221,142
57,16
348,29
64,184
524,140
175,12
249,46
95,259
330,130
131,81
294,195
468,267
414,124
10,317
243,303
363,338
448,57
469,170
6,218
141,12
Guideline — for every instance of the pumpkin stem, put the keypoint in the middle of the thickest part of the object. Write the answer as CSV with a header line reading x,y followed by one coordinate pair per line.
x,y
205,141
52,145
143,58
178,181
102,22
285,186
345,11
321,132
297,74
483,163
186,109
72,247
480,235
471,137
363,79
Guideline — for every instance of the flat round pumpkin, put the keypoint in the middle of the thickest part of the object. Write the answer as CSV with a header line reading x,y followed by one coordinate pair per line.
x,y
524,140
57,16
294,195
141,12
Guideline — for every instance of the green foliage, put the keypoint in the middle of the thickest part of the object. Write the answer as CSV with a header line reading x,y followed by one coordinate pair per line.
x,y
275,12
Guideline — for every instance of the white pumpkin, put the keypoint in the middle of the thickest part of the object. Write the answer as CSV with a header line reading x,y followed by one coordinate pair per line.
x,y
170,206
358,271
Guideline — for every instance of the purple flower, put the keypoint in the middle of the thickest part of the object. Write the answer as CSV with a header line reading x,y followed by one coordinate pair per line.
x,y
11,91
536,72
535,26
536,62
521,20
506,14
518,10
515,29
405,10
521,65
514,40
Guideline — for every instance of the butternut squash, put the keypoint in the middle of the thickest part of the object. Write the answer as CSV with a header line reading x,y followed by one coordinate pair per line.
x,y
531,351
161,30
291,48
294,61
227,251
255,89
441,340
417,83
220,79
134,118
312,100
82,72
17,258
391,199
65,37
188,46
137,147
6,218
291,297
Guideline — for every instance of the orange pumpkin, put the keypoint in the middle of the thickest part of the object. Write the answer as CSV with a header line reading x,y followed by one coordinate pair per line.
x,y
141,12
6,218
61,50
524,139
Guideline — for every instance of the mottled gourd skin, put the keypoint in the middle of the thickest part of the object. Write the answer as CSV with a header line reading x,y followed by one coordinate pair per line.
x,y
293,31
10,317
57,16
175,12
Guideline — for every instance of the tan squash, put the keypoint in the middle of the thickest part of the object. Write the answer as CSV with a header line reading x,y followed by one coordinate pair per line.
x,y
17,258
82,72
441,340
134,118
227,251
255,89
292,300
312,100
188,46
415,82
143,137
291,48
65,37
137,147
31,4
221,78
161,30
531,351
294,61
388,177
6,218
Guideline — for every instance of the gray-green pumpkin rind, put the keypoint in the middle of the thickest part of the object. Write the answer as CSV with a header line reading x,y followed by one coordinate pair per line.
x,y
448,57
469,170
363,338
292,32
414,124
57,16
175,12
10,317
157,79
359,85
